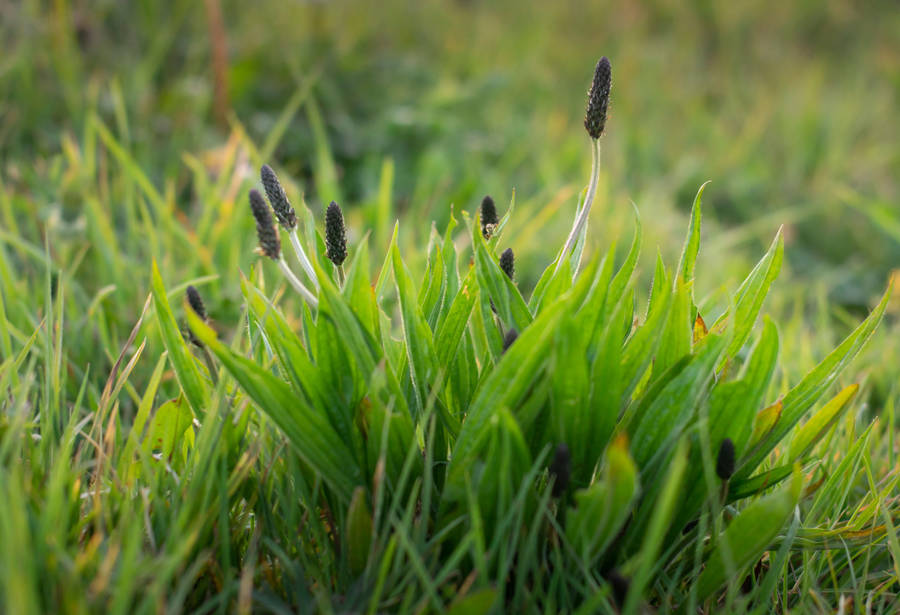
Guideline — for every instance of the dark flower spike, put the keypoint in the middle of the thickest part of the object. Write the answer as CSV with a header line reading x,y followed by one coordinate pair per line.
x,y
598,99
725,461
269,243
284,211
335,234
560,468
196,303
620,585
489,217
511,336
508,263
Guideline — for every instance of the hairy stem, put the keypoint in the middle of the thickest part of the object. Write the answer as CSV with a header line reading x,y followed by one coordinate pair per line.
x,y
582,217
304,261
297,284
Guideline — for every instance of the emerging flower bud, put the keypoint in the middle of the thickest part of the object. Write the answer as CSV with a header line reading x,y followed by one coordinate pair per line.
x,y
598,99
269,243
725,461
560,468
508,264
284,211
511,336
489,217
620,585
335,234
196,302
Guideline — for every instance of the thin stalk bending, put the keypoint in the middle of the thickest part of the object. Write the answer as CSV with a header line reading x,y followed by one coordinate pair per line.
x,y
297,284
582,217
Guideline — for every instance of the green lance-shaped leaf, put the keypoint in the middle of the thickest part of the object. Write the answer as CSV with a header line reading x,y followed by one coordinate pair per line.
x,y
802,397
750,534
170,428
419,344
186,370
359,531
308,430
749,297
815,428
692,241
602,509
661,422
499,287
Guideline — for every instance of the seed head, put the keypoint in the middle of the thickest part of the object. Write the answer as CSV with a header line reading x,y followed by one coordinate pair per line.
x,y
196,302
489,218
560,468
598,99
508,263
511,336
335,234
620,584
284,211
269,243
725,461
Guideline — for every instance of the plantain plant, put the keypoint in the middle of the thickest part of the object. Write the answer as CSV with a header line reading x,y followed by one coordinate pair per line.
x,y
562,449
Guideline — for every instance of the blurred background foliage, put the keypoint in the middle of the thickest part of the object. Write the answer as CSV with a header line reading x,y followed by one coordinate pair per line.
x,y
789,108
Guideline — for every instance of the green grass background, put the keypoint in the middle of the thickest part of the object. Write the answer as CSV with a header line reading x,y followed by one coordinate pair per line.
x,y
112,154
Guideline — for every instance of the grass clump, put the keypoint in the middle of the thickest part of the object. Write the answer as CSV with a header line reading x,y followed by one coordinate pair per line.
x,y
460,446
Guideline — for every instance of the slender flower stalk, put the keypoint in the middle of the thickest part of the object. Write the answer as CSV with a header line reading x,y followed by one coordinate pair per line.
x,y
594,123
297,284
270,245
287,217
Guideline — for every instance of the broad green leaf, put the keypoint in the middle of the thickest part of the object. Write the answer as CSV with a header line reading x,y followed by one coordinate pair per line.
x,y
449,334
663,420
169,429
692,241
750,534
509,381
750,295
663,508
733,405
602,509
802,397
570,417
358,289
502,462
815,428
359,531
419,344
478,602
503,293
182,361
313,437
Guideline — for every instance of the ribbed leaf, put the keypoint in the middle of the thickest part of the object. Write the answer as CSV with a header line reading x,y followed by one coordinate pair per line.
x,y
748,536
182,361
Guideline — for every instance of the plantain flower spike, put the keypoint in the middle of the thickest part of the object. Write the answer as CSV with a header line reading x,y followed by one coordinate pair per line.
x,y
560,469
725,460
284,211
196,303
269,243
335,234
598,99
489,217
508,263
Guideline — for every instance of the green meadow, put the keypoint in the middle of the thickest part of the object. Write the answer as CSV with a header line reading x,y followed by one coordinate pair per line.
x,y
266,346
